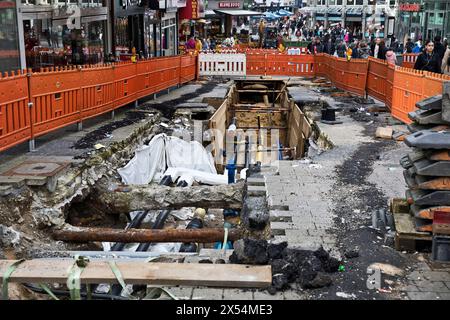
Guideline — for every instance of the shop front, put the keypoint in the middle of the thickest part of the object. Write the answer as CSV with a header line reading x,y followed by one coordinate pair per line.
x,y
191,21
64,35
9,44
410,21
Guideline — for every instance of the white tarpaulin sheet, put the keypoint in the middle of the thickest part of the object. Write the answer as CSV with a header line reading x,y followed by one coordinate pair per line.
x,y
150,162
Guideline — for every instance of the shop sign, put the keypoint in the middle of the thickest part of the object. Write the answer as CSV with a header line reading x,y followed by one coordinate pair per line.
x,y
130,3
228,5
195,9
410,7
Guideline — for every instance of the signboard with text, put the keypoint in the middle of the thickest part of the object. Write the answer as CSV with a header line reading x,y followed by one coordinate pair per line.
x,y
410,7
223,4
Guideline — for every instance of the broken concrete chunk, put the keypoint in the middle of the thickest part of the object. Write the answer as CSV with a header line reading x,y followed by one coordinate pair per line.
x,y
351,253
384,133
248,251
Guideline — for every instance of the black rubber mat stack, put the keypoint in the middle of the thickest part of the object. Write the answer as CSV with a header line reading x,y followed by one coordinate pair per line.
x,y
427,167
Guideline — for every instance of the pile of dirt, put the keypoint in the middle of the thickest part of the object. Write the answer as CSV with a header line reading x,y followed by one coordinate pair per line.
x,y
306,268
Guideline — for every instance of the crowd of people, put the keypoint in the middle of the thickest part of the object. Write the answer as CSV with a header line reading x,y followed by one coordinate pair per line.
x,y
344,42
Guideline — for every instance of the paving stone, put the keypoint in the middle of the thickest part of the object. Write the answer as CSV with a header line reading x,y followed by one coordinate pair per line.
x,y
236,294
183,293
428,296
256,181
437,275
431,286
207,294
256,190
264,295
293,295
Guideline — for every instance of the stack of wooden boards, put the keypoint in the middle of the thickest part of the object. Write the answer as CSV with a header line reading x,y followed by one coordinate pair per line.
x,y
427,167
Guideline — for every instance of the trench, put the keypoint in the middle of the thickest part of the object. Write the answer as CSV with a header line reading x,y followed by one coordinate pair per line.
x,y
85,211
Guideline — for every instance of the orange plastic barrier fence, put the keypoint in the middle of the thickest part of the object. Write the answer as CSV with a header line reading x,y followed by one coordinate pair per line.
x,y
15,124
377,85
411,86
97,90
278,64
34,104
390,84
56,99
256,63
409,59
281,64
351,76
408,89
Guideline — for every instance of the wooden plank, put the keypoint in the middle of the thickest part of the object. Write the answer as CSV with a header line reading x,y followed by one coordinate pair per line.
x,y
137,272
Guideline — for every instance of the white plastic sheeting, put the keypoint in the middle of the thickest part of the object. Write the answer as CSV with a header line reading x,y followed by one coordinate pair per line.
x,y
200,176
150,162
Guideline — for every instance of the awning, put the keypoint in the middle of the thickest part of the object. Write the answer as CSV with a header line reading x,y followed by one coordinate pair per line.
x,y
210,13
239,12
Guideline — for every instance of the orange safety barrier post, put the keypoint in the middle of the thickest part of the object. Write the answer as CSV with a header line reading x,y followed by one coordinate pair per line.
x,y
390,85
281,64
256,63
408,89
56,98
409,59
97,90
124,83
377,85
15,123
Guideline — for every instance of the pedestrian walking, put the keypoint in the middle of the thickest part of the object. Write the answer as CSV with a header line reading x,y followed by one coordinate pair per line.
x,y
428,60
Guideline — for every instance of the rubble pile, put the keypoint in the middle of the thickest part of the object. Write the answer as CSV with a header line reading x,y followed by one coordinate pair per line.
x,y
427,167
307,268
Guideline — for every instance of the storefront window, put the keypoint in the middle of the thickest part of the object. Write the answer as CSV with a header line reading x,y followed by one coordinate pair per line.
x,y
9,46
168,34
149,39
52,43
122,39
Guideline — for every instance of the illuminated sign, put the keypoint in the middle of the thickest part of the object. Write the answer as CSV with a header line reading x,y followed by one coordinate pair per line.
x,y
411,7
224,5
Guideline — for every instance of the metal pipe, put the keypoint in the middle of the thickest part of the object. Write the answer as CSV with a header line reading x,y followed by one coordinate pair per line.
x,y
138,235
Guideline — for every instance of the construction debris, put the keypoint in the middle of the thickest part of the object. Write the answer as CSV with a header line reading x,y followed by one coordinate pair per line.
x,y
304,267
384,133
125,199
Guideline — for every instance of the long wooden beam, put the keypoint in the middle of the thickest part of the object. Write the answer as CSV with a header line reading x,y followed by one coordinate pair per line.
x,y
137,272
206,235
133,198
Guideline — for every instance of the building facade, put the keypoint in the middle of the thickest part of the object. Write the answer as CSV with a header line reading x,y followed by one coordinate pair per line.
x,y
9,37
423,19
370,17
61,32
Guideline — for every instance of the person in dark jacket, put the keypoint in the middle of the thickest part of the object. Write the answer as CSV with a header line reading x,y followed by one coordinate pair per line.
x,y
429,59
315,46
329,47
439,48
409,46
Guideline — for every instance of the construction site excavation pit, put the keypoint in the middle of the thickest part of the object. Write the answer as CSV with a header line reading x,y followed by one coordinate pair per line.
x,y
158,195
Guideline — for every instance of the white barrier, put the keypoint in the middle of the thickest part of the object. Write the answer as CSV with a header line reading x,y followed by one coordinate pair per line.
x,y
222,64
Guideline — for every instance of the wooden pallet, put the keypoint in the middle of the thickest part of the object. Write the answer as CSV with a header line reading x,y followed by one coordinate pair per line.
x,y
407,238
